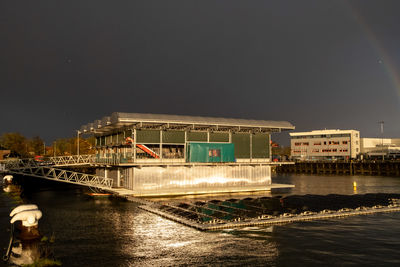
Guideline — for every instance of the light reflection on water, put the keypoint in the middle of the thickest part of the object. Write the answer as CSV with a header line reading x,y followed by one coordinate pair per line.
x,y
107,232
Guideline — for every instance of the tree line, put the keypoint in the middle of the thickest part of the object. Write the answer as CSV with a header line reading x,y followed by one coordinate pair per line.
x,y
21,146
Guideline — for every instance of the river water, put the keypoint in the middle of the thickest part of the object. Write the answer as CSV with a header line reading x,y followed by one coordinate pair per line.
x,y
106,232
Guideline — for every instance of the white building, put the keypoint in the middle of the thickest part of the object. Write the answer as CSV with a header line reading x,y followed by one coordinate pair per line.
x,y
325,144
380,147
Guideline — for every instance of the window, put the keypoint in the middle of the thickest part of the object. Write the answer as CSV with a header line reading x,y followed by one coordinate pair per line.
x,y
325,143
334,150
297,144
335,142
305,144
213,153
344,142
317,143
340,135
315,150
299,137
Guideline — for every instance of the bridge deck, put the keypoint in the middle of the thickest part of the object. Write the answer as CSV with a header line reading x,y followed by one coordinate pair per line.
x,y
43,170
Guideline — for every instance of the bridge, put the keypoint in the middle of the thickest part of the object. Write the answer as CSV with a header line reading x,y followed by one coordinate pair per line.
x,y
48,169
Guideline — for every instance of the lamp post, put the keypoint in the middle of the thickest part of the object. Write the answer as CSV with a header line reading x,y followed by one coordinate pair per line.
x,y
383,153
77,142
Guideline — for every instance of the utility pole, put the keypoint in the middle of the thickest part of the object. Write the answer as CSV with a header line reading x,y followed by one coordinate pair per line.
x,y
77,142
383,152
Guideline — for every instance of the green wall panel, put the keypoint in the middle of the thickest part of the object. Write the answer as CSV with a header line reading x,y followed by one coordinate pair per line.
x,y
147,136
197,136
219,137
211,152
174,137
242,144
260,146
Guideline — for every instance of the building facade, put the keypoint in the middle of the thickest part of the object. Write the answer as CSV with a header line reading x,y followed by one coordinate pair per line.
x,y
155,154
325,145
380,148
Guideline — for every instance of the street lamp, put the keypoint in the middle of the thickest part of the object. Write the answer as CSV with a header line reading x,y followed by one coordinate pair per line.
x,y
383,153
54,148
77,143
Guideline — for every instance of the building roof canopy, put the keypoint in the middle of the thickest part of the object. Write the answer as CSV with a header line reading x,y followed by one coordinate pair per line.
x,y
144,121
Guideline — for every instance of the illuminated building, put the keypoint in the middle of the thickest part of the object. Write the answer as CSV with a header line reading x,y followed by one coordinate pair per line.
x,y
154,154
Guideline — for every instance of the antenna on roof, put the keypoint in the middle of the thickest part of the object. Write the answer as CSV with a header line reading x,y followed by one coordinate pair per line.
x,y
382,123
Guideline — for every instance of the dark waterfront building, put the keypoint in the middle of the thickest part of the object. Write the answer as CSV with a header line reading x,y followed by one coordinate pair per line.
x,y
153,154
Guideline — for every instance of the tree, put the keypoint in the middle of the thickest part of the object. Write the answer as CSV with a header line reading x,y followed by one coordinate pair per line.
x,y
86,146
64,146
16,143
37,145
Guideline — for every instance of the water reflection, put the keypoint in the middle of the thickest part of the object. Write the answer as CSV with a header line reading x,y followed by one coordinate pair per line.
x,y
108,232
336,184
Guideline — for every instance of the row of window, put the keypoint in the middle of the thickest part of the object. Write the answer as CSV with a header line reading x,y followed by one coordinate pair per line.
x,y
320,143
322,136
333,150
322,150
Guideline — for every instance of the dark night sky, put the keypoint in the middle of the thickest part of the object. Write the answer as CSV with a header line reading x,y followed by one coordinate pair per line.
x,y
318,64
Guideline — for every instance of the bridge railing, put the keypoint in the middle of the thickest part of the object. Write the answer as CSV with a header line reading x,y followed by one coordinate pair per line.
x,y
43,169
65,176
72,160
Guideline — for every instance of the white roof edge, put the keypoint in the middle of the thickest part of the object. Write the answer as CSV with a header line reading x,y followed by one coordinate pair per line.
x,y
316,132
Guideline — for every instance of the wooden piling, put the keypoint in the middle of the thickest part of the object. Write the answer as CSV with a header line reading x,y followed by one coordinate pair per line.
x,y
351,168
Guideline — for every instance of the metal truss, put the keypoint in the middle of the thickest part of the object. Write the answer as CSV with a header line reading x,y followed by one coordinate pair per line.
x,y
43,170
74,160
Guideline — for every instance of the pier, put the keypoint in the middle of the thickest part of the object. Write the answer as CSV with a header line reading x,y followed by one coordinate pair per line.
x,y
268,220
348,168
51,169
233,213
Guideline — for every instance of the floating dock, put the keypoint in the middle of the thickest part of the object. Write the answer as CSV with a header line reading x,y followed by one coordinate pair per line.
x,y
234,213
267,221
